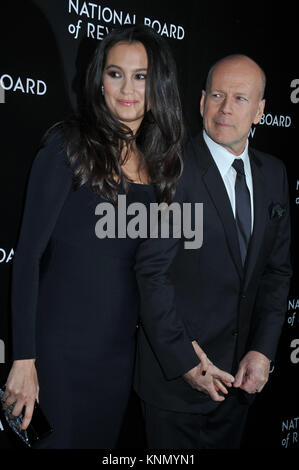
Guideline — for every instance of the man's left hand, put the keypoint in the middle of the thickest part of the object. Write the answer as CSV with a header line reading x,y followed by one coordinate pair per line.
x,y
253,372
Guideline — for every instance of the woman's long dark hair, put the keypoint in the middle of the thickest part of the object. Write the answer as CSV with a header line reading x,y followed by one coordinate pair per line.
x,y
94,134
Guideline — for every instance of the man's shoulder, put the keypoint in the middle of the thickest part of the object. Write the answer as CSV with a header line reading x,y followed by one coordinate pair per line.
x,y
194,143
266,159
194,150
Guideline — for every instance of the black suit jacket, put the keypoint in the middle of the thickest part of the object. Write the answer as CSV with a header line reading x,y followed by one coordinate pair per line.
x,y
206,294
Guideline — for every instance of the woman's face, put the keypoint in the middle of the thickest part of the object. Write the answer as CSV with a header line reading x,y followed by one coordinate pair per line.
x,y
124,82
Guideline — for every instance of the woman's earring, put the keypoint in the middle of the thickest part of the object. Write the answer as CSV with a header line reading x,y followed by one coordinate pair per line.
x,y
102,89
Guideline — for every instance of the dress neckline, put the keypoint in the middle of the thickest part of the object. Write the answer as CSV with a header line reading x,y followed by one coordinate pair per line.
x,y
139,184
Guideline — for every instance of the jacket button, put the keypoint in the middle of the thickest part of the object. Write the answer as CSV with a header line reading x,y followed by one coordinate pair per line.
x,y
235,333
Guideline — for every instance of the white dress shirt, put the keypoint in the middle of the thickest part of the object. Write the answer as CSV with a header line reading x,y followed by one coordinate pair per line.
x,y
224,160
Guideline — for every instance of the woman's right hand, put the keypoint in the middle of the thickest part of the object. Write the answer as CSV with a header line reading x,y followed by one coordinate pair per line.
x,y
22,389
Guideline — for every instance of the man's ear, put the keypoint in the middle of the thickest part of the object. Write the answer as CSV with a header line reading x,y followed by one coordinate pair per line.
x,y
202,102
260,111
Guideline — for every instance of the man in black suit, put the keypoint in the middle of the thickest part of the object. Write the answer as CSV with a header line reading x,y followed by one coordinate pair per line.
x,y
211,318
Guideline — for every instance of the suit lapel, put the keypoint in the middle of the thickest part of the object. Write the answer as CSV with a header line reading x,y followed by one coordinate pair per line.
x,y
260,216
218,194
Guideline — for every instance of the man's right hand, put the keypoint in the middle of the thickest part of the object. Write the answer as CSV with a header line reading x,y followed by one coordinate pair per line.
x,y
207,378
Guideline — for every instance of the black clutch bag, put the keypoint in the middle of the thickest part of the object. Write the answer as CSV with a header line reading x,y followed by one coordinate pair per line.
x,y
38,428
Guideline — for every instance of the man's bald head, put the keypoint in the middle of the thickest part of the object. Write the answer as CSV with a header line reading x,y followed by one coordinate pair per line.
x,y
241,59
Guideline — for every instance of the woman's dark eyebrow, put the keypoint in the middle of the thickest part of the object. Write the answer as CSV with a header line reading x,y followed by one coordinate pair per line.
x,y
118,67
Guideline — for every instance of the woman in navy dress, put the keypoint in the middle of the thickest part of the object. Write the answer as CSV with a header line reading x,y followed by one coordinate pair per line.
x,y
74,294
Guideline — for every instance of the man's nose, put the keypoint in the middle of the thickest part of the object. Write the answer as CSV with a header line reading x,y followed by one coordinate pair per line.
x,y
226,105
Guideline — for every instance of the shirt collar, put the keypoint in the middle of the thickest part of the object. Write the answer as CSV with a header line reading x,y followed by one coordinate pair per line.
x,y
222,157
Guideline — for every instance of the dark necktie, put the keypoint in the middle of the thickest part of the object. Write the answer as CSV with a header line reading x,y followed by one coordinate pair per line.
x,y
243,208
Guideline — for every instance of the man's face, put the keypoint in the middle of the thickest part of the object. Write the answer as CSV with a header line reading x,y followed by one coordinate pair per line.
x,y
232,103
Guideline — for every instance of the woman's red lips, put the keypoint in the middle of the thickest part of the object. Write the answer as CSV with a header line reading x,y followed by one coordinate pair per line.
x,y
127,102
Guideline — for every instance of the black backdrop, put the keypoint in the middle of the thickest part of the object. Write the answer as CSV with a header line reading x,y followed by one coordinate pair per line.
x,y
44,49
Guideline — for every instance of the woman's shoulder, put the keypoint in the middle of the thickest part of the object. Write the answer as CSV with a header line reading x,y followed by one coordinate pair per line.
x,y
57,137
52,154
